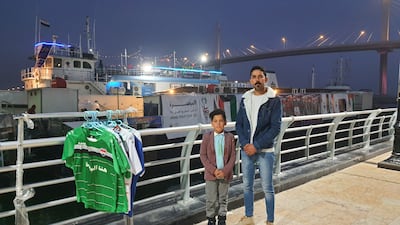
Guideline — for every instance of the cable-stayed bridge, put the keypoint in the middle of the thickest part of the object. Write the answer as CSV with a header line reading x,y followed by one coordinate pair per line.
x,y
384,46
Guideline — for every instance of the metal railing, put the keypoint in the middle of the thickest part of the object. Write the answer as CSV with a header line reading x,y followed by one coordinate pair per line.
x,y
173,167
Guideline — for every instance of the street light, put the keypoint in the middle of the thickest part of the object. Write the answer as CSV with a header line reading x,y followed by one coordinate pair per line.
x,y
359,36
203,59
146,69
251,49
228,52
320,38
284,42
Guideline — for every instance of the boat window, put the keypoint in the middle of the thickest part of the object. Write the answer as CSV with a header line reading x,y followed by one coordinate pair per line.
x,y
87,65
57,62
77,64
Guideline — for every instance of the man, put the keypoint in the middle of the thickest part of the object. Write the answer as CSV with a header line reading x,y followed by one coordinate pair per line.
x,y
32,109
258,123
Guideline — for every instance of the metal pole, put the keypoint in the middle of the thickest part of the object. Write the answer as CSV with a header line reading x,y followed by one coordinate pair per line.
x,y
20,159
393,162
21,195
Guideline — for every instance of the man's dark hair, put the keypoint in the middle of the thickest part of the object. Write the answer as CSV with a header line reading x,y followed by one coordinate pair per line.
x,y
257,68
218,112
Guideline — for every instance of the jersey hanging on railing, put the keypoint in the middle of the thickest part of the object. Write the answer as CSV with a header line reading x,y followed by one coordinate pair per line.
x,y
99,167
103,158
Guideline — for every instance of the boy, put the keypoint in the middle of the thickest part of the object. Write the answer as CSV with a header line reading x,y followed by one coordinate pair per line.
x,y
218,155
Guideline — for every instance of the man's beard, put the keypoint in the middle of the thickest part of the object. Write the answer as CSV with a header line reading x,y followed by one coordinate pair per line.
x,y
258,85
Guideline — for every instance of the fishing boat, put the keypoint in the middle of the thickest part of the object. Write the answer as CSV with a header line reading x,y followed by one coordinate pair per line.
x,y
83,81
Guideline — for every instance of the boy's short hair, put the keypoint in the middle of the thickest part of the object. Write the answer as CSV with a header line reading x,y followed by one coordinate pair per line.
x,y
218,112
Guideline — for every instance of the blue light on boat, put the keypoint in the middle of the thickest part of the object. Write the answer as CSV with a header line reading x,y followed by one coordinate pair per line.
x,y
187,70
52,43
114,84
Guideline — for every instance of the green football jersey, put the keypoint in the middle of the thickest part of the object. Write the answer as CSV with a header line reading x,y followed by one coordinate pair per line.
x,y
99,166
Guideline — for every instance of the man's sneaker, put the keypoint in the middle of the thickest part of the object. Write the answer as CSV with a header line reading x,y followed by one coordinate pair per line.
x,y
246,221
269,223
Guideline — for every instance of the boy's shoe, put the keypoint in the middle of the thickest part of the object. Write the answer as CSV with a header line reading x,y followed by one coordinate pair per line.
x,y
269,223
246,221
211,221
221,220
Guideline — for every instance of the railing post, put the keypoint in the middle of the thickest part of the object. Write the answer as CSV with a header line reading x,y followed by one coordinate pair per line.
x,y
392,123
351,134
21,215
331,135
237,163
185,164
278,145
381,126
367,129
19,173
307,141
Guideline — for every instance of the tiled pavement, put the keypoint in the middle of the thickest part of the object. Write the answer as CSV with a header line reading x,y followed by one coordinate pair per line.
x,y
362,194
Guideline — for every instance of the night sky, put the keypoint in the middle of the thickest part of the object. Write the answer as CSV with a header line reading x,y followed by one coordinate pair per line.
x,y
159,27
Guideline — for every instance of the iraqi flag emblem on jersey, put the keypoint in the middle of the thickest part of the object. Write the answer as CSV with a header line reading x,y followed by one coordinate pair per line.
x,y
103,152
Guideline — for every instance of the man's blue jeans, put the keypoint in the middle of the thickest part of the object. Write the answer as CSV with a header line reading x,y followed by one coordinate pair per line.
x,y
265,162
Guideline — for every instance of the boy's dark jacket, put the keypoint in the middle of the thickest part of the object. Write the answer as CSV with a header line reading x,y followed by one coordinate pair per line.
x,y
208,158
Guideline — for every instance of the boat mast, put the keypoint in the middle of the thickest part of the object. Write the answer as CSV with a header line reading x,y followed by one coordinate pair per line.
x,y
36,29
126,60
88,36
94,34
343,67
36,34
80,45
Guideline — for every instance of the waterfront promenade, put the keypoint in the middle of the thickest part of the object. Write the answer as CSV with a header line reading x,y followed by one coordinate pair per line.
x,y
357,195
309,148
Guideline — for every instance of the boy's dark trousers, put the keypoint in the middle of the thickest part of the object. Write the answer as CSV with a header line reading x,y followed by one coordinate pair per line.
x,y
216,198
221,220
